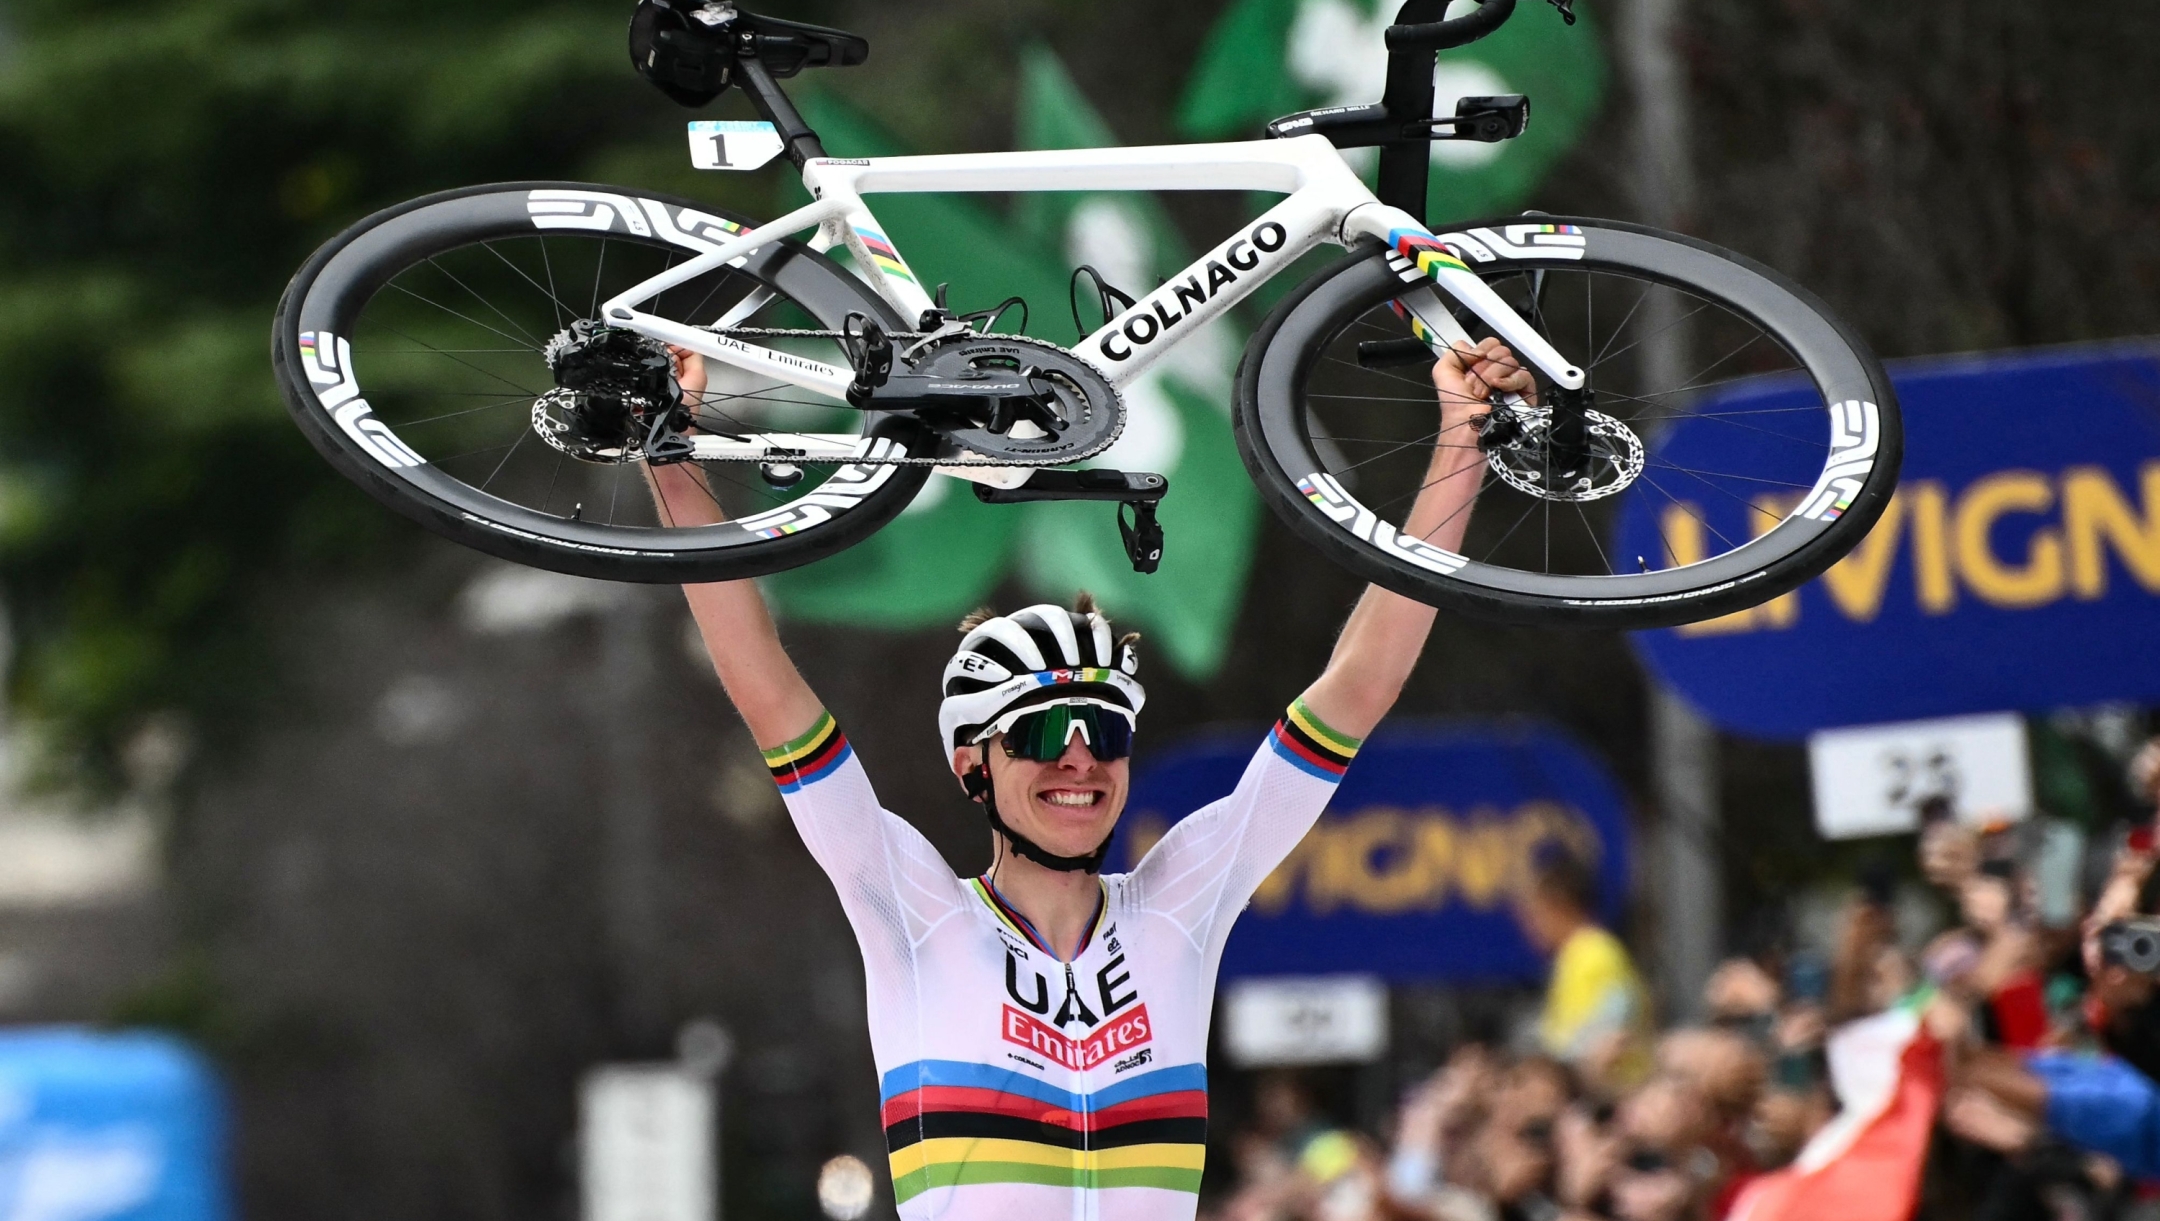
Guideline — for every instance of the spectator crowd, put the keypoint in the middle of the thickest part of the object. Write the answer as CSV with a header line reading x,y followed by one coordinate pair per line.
x,y
2001,1070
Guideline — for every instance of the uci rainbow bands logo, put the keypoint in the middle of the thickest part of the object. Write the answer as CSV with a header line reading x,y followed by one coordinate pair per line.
x,y
1424,251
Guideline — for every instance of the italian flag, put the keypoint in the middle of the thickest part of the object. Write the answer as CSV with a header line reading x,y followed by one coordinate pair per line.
x,y
1865,1164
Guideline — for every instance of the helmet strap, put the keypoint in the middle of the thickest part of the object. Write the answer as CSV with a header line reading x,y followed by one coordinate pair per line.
x,y
981,790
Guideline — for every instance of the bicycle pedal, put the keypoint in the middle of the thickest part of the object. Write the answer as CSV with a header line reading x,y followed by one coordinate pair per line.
x,y
1143,536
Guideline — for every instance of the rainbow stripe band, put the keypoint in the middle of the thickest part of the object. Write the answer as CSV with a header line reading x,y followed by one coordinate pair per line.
x,y
1425,251
1051,678
811,757
1306,742
949,1123
882,253
1010,916
1418,329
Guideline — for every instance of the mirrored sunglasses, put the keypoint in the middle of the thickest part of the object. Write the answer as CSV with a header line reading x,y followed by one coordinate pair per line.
x,y
1043,733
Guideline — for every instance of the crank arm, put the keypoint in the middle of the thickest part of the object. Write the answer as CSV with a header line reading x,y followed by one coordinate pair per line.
x,y
1094,483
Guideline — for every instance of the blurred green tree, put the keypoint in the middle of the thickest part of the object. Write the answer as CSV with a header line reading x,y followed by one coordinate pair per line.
x,y
168,167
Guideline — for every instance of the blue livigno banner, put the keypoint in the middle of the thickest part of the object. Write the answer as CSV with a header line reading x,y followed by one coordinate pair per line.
x,y
2017,568
1411,872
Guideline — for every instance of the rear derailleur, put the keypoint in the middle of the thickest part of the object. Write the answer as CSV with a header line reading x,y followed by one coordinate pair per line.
x,y
615,400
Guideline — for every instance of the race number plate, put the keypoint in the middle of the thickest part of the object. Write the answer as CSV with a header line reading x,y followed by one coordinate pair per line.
x,y
721,144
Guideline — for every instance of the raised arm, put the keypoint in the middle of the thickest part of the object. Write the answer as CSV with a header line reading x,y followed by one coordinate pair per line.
x,y
1381,641
731,616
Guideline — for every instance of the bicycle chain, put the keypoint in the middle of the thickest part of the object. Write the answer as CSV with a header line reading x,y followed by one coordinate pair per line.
x,y
911,337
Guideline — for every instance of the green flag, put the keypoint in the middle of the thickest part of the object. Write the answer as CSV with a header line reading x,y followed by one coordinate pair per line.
x,y
1268,58
1177,414
948,551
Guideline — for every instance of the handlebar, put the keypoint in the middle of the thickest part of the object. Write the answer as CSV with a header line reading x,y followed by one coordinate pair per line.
x,y
1444,35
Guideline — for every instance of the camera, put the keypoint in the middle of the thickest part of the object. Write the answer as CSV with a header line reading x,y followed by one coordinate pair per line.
x,y
2132,943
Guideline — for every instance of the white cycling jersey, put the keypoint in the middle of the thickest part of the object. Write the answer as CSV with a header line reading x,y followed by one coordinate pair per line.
x,y
1018,1086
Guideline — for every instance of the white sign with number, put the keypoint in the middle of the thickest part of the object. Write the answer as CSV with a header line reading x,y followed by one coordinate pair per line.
x,y
645,1137
730,144
1321,1019
1872,779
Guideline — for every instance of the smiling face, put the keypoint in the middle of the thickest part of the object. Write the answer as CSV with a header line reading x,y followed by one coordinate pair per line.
x,y
1067,806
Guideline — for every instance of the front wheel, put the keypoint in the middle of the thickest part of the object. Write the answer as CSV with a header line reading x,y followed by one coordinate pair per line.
x,y
413,352
1736,438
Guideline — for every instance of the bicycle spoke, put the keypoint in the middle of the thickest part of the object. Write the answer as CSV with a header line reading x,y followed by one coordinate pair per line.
x,y
1752,506
484,301
1641,295
468,364
1689,470
1654,334
1591,530
451,415
1534,503
559,307
522,434
461,316
548,265
1683,506
599,269
549,499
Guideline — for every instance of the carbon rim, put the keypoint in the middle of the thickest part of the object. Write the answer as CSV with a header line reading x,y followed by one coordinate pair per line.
x,y
1342,447
411,352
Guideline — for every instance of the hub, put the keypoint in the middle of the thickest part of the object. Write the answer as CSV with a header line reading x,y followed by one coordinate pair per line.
x,y
616,399
1583,455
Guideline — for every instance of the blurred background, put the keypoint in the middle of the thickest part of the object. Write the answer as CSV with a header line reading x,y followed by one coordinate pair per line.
x,y
345,858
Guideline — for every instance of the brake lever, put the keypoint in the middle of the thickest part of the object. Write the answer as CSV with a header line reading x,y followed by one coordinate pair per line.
x,y
1567,10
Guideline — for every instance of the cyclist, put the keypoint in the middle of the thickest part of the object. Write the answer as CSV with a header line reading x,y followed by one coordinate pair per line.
x,y
1040,1031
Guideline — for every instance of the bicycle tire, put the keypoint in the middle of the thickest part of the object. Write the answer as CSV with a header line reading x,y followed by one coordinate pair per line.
x,y
1270,420
324,394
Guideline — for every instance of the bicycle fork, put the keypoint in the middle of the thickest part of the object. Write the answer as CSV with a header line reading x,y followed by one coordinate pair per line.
x,y
1422,260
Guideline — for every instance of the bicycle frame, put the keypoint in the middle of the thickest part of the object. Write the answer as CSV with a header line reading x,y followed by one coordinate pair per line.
x,y
1325,203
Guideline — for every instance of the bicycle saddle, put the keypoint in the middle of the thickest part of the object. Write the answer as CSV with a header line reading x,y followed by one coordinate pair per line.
x,y
689,48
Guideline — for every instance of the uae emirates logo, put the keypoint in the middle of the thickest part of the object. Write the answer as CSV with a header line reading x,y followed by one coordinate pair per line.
x,y
1115,1038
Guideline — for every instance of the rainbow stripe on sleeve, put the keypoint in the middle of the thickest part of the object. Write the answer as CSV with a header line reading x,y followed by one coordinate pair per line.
x,y
881,250
1306,742
949,1123
809,758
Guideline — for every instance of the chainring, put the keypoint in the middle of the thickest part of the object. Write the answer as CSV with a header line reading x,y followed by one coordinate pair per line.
x,y
1093,413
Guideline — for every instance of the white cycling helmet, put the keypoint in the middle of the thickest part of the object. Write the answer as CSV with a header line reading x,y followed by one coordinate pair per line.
x,y
1039,655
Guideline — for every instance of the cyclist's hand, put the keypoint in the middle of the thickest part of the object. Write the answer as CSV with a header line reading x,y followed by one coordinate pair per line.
x,y
679,489
1480,372
689,374
1468,377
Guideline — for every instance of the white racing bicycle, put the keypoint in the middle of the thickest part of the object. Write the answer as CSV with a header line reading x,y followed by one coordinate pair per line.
x,y
493,362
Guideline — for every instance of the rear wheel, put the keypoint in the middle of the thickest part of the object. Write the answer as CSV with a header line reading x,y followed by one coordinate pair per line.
x,y
1739,439
411,352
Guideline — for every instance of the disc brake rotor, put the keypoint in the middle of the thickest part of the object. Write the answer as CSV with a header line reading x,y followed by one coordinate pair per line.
x,y
1613,458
